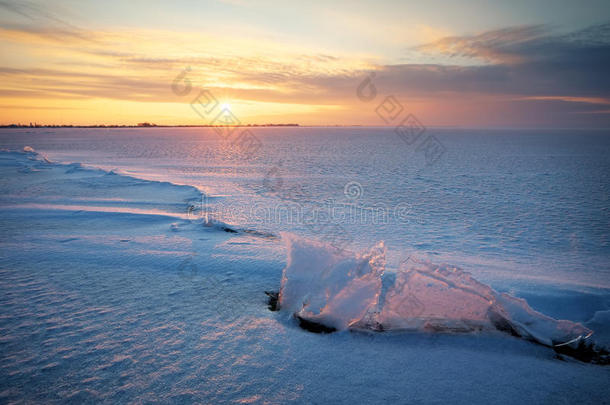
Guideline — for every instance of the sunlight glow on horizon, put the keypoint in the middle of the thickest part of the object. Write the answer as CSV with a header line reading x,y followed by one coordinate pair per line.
x,y
264,69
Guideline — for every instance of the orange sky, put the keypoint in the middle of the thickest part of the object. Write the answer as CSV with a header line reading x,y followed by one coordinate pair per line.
x,y
74,63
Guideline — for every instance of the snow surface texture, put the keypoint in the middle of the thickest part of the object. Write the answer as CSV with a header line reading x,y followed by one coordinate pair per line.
x,y
108,295
342,290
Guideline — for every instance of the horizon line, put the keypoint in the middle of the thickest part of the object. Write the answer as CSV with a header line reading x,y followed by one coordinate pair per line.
x,y
293,125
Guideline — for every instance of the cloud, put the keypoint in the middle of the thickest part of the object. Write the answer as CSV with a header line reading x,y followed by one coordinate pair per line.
x,y
38,19
520,70
497,46
521,61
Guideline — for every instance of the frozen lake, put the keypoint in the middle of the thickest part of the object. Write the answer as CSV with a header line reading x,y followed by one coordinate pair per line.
x,y
113,288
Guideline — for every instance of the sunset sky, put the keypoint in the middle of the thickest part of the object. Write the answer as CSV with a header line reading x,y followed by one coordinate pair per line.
x,y
470,64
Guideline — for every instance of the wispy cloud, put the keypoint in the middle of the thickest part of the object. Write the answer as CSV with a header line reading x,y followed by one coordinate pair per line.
x,y
513,68
498,46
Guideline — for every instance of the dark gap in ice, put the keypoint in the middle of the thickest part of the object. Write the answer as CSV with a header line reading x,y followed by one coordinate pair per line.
x,y
227,229
585,352
273,302
267,235
274,305
314,326
502,324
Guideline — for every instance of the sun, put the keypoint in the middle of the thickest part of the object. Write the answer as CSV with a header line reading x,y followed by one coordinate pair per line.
x,y
225,107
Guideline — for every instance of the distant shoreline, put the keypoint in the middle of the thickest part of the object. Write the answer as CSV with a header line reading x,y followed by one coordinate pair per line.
x,y
143,125
456,127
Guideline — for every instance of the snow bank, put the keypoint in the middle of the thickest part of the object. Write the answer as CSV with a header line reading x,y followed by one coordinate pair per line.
x,y
345,291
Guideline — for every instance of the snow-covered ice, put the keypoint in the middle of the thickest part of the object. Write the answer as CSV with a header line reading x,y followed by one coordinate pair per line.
x,y
111,290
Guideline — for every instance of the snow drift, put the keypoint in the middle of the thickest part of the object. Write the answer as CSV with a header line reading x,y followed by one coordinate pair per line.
x,y
350,291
